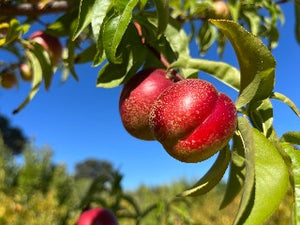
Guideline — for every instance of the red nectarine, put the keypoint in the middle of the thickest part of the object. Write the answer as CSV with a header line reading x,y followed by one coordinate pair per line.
x,y
137,98
8,80
50,44
192,120
97,216
26,72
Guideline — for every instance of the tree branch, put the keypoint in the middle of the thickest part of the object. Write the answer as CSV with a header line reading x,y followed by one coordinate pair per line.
x,y
172,73
26,9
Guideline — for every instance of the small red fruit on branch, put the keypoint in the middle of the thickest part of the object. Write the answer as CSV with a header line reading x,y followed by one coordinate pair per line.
x,y
50,44
192,120
97,216
26,72
220,10
8,80
137,98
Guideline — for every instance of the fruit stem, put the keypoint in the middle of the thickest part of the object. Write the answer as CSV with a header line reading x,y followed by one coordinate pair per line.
x,y
173,75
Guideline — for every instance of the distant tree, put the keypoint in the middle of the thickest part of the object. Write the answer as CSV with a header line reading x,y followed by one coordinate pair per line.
x,y
13,137
92,168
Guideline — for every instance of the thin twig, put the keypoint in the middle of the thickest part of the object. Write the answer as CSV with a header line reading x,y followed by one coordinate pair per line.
x,y
172,73
27,9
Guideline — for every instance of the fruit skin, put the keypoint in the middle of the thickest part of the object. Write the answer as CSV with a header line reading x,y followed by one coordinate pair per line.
x,y
220,10
97,216
25,72
192,120
51,44
137,98
8,80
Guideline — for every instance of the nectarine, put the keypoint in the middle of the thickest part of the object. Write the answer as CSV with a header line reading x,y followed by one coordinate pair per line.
x,y
192,120
97,216
137,98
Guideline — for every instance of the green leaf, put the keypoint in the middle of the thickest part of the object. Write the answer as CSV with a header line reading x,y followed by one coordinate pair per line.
x,y
245,134
253,20
295,158
71,58
286,100
236,173
134,54
86,55
297,21
206,36
170,45
177,38
99,11
44,59
220,70
234,8
271,181
112,75
261,116
212,177
162,9
221,40
36,82
84,16
292,137
114,30
14,30
64,25
256,62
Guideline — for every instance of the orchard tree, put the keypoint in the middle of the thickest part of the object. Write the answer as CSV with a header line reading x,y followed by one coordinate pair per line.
x,y
145,46
92,168
13,137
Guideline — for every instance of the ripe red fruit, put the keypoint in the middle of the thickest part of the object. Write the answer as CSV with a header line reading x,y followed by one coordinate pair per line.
x,y
220,10
50,44
8,80
137,98
25,72
97,216
192,120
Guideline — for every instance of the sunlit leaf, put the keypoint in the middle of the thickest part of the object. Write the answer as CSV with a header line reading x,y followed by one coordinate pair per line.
x,y
162,7
206,36
292,137
295,158
36,82
84,16
114,30
221,40
234,8
86,55
112,75
177,38
261,116
70,58
256,62
11,31
64,25
297,21
99,11
44,60
212,177
246,136
286,100
253,20
271,181
236,172
220,70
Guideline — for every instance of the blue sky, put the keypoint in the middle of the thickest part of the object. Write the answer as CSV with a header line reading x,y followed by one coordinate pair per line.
x,y
80,121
